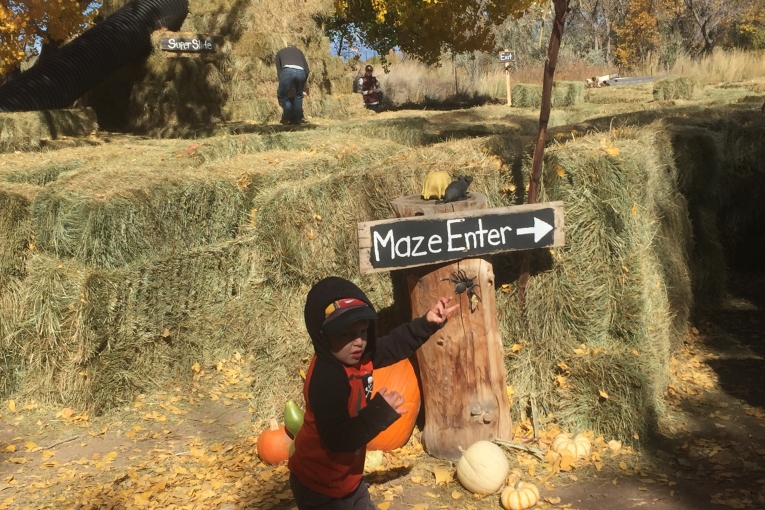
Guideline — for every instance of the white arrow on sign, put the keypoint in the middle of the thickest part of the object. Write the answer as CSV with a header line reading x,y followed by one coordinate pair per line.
x,y
539,229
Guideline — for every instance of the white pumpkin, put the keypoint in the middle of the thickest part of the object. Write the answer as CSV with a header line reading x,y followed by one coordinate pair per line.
x,y
483,468
578,447
522,496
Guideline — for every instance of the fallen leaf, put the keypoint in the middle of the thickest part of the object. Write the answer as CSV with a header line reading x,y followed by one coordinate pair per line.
x,y
196,368
456,495
612,151
442,475
614,445
553,500
603,394
67,413
12,405
516,347
384,505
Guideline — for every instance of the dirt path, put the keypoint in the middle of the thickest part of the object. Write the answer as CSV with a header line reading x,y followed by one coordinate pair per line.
x,y
195,447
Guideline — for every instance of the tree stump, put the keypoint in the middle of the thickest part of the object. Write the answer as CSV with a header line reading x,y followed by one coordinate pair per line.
x,y
462,366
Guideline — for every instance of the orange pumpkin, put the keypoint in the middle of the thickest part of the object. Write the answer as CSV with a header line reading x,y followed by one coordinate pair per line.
x,y
398,377
274,444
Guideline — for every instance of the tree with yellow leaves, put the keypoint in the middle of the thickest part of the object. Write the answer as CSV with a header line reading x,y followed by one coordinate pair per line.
x,y
638,34
26,25
426,28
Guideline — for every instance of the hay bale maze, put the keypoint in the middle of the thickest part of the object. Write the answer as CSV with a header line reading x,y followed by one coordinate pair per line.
x,y
564,93
172,94
120,271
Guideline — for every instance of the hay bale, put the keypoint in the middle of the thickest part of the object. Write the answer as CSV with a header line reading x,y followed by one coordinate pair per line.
x,y
16,228
297,247
115,217
91,338
620,94
670,89
598,310
564,93
24,131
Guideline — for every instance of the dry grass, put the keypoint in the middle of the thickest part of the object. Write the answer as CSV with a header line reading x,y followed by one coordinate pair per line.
x,y
722,66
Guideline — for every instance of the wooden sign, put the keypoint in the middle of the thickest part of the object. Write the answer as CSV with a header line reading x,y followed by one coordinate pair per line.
x,y
188,44
506,56
410,242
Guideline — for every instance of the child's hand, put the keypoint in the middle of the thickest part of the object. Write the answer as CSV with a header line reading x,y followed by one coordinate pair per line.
x,y
438,314
394,399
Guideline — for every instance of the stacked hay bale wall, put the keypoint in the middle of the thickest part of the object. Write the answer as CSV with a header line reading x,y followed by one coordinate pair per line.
x,y
564,93
172,94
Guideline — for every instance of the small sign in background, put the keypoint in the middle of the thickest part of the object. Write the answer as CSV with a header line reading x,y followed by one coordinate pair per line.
x,y
506,56
188,44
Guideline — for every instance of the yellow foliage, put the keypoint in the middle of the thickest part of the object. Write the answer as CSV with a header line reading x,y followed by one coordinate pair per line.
x,y
426,28
23,23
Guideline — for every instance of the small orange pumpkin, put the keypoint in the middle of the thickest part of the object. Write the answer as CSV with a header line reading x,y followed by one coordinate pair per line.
x,y
274,444
522,496
398,377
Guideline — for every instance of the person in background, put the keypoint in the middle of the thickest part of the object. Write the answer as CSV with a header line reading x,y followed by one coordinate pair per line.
x,y
292,71
370,90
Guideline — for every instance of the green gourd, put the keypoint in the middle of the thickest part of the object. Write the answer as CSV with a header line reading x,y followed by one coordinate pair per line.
x,y
293,417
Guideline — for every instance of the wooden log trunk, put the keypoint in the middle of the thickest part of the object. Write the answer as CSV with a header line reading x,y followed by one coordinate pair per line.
x,y
462,366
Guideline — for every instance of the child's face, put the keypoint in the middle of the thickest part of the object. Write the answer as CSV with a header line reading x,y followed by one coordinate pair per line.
x,y
350,344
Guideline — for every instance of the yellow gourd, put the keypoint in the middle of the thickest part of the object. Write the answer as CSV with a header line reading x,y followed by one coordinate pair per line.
x,y
577,448
523,495
435,185
483,468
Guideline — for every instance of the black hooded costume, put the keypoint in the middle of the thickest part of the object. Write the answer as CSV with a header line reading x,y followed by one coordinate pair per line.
x,y
340,418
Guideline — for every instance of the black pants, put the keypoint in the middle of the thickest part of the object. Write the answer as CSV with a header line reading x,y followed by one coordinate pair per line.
x,y
307,499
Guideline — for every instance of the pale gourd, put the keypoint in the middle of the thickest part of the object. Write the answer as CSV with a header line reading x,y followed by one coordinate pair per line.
x,y
578,447
483,468
372,460
435,185
523,495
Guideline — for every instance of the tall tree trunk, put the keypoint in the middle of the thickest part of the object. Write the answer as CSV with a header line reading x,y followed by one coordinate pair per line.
x,y
561,13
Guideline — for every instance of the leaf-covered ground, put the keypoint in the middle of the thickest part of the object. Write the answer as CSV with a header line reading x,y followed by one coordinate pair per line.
x,y
195,447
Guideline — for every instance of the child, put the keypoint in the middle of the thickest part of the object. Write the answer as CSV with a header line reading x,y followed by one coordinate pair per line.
x,y
341,416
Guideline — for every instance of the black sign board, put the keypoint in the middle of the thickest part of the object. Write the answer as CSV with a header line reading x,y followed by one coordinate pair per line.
x,y
410,242
506,56
188,44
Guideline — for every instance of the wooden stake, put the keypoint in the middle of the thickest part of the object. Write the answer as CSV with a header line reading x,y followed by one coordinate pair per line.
x,y
509,90
561,12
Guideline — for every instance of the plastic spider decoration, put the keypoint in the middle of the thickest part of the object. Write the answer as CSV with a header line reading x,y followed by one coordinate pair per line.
x,y
463,283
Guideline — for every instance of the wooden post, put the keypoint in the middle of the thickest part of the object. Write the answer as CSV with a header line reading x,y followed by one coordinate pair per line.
x,y
507,83
462,366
